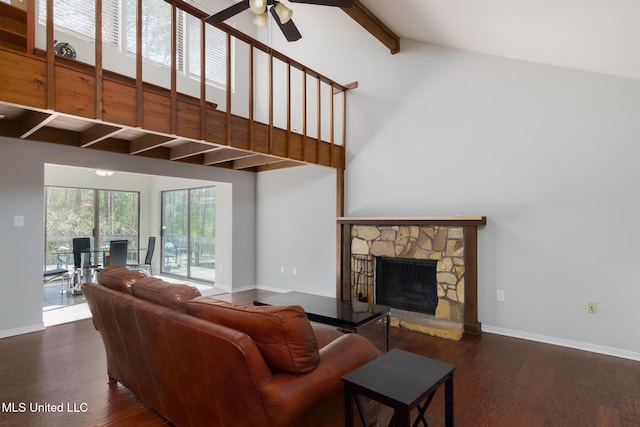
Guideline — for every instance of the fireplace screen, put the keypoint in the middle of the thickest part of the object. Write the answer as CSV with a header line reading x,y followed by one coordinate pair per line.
x,y
408,284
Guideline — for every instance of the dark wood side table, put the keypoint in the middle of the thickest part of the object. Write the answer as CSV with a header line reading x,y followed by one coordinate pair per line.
x,y
402,381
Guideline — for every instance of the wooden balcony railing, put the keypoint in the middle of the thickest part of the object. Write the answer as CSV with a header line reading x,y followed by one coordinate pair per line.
x,y
128,114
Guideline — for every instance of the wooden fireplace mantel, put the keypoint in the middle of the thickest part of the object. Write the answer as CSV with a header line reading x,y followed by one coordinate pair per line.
x,y
456,220
470,228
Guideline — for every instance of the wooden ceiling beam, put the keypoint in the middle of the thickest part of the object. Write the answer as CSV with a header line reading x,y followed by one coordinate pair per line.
x,y
279,165
97,133
256,160
223,155
190,149
363,16
148,142
58,136
32,121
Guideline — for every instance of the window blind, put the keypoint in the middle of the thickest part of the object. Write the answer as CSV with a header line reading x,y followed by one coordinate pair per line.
x,y
78,17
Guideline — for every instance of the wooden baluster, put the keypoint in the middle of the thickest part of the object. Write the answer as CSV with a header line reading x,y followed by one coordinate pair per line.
x,y
331,126
203,79
270,133
288,141
99,104
173,125
228,124
319,122
31,21
51,57
343,161
251,96
304,115
139,86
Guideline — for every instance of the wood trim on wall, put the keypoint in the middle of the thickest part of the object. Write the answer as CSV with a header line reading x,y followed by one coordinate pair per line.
x,y
471,324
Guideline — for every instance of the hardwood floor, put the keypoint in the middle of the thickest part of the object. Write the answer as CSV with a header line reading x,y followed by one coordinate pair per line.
x,y
499,381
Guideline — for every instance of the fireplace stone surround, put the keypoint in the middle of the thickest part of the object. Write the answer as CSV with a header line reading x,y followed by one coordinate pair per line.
x,y
450,241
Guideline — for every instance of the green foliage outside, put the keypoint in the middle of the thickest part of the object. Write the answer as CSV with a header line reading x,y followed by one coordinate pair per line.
x,y
71,212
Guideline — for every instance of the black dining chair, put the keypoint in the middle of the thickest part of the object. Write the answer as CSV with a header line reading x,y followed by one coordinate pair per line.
x,y
82,262
118,250
147,258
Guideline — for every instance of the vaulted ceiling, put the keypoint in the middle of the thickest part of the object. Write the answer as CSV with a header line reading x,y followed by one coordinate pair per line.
x,y
591,35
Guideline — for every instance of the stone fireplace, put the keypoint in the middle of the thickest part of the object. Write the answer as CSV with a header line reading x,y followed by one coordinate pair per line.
x,y
425,269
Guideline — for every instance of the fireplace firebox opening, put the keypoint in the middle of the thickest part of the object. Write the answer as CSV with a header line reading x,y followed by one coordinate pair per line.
x,y
408,284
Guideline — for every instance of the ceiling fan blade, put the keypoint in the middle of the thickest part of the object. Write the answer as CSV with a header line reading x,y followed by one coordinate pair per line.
x,y
337,3
227,13
289,29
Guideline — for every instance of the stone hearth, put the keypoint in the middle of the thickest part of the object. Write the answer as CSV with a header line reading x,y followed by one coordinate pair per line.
x,y
451,241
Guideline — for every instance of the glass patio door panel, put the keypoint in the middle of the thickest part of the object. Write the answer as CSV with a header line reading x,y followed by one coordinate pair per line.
x,y
119,220
202,246
188,233
175,222
80,212
69,213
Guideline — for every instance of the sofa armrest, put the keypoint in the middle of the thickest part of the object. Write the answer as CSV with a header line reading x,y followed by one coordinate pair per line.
x,y
287,396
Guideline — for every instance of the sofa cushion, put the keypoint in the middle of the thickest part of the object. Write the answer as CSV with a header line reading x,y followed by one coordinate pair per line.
x,y
283,334
119,278
172,295
325,334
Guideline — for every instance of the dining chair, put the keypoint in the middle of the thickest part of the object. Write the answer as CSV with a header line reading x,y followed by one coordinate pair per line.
x,y
147,258
118,250
57,273
82,264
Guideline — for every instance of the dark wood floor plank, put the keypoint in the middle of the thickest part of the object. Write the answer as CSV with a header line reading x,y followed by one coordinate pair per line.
x,y
499,381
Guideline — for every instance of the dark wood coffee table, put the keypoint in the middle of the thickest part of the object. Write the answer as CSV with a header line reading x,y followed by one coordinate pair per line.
x,y
348,315
401,380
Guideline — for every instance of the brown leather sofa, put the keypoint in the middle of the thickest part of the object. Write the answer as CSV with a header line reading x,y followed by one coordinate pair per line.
x,y
198,361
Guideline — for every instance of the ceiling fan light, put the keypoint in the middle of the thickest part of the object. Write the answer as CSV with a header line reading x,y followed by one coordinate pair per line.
x,y
283,12
260,20
258,6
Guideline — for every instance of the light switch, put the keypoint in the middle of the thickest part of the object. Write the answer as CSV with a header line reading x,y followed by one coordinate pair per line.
x,y
18,221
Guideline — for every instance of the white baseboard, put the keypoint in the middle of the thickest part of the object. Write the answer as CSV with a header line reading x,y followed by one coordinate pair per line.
x,y
272,289
611,351
242,289
22,330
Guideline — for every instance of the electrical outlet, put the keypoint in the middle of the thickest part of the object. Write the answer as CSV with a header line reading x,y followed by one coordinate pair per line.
x,y
592,307
500,295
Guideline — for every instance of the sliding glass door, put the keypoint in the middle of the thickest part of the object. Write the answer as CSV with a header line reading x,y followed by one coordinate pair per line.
x,y
188,233
80,212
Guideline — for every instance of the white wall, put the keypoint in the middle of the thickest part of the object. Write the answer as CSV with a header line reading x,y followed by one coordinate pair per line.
x,y
297,230
21,194
22,248
548,154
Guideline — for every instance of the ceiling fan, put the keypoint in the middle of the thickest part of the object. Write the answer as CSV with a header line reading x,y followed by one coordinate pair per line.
x,y
281,13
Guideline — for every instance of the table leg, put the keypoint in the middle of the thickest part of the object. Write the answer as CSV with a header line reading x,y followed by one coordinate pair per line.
x,y
348,406
421,411
448,401
387,337
403,417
